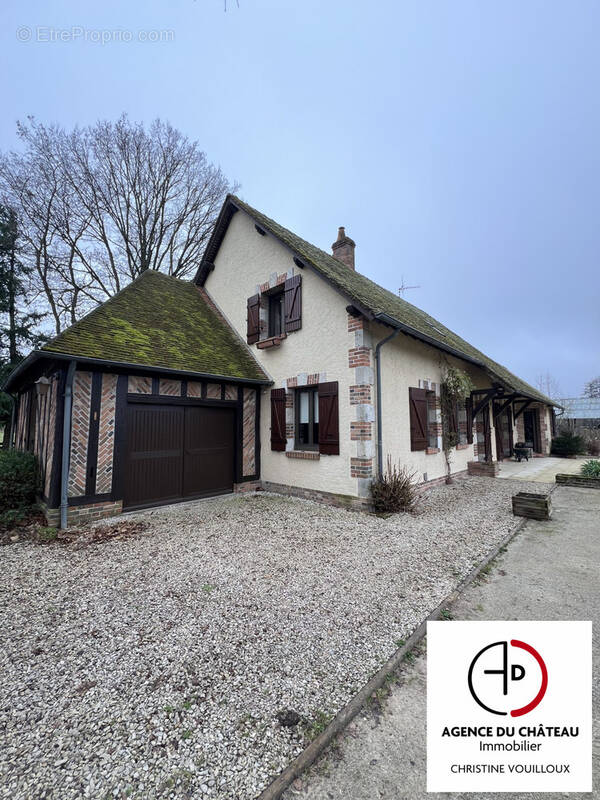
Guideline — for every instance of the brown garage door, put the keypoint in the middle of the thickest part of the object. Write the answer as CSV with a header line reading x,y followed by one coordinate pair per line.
x,y
177,452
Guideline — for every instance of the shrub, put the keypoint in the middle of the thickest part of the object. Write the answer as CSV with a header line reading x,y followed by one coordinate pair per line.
x,y
19,484
591,437
591,469
594,447
395,490
568,444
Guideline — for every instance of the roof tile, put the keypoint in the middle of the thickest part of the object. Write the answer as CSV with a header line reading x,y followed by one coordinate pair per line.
x,y
377,300
160,321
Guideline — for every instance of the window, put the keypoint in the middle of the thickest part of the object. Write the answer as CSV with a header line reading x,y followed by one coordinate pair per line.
x,y
432,415
457,424
463,427
316,418
469,411
276,315
307,419
451,421
275,312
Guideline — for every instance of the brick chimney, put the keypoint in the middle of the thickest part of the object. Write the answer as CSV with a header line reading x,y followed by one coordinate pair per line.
x,y
343,249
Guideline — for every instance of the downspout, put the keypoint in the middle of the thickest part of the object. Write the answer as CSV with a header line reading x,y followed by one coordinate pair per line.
x,y
378,390
66,445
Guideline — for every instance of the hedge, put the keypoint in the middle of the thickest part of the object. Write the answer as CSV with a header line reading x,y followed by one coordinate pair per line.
x,y
19,484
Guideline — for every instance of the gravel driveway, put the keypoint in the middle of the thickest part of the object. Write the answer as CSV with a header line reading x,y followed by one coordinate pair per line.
x,y
155,665
383,753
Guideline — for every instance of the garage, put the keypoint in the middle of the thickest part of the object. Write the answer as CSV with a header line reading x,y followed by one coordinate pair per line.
x,y
150,399
177,452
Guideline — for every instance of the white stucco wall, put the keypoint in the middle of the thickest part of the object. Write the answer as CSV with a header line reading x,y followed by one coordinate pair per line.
x,y
245,260
405,363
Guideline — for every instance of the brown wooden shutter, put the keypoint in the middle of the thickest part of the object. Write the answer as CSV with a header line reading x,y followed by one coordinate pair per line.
x,y
418,418
329,425
278,437
454,418
253,331
293,303
469,408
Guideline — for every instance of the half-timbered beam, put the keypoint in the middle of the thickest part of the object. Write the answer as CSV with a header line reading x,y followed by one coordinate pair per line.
x,y
511,398
518,413
489,394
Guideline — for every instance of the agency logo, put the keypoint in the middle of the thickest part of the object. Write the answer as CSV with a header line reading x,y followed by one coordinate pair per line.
x,y
495,678
509,706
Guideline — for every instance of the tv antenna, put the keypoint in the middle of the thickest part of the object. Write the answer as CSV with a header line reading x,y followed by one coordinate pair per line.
x,y
403,288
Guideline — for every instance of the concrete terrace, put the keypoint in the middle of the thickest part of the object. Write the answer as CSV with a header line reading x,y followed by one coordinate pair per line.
x,y
540,470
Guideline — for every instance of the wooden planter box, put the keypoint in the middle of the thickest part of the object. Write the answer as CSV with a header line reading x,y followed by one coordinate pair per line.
x,y
577,480
535,506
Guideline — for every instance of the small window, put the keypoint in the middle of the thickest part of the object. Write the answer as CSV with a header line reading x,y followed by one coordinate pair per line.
x,y
276,317
432,437
307,419
463,425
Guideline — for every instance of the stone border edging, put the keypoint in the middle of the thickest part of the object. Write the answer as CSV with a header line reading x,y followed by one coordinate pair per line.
x,y
310,754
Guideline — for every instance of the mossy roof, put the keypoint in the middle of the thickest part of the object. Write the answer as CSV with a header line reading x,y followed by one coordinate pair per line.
x,y
373,298
160,321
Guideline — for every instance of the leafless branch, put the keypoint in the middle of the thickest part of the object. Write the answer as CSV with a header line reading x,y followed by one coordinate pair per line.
x,y
102,204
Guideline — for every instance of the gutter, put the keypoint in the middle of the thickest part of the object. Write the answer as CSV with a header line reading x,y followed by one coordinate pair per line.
x,y
66,443
35,355
385,319
393,323
232,204
21,367
378,347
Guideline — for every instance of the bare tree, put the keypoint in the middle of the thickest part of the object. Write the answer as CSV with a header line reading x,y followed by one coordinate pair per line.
x,y
548,385
592,388
100,205
30,183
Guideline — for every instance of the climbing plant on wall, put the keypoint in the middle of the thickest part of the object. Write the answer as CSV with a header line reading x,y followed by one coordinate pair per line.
x,y
456,387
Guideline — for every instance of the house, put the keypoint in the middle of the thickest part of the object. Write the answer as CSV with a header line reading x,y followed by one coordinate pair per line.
x,y
279,365
149,399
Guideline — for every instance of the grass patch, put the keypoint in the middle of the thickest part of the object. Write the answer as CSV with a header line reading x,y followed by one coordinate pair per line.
x,y
317,724
47,535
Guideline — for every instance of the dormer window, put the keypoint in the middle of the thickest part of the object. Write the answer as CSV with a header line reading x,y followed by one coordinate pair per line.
x,y
276,313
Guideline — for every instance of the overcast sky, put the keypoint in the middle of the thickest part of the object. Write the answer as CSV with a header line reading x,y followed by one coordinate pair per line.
x,y
458,142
